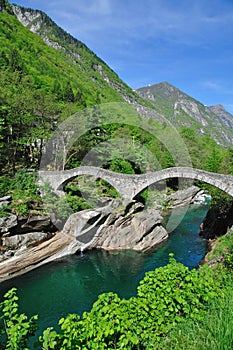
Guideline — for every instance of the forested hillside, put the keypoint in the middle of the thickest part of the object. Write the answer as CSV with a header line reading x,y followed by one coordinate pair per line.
x,y
46,77
86,65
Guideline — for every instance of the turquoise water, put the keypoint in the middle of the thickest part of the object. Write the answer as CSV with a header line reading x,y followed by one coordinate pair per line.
x,y
72,284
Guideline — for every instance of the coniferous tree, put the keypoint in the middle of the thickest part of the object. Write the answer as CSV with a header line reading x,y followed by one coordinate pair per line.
x,y
57,89
15,61
68,93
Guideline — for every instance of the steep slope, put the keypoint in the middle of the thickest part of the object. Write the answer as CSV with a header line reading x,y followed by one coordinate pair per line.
x,y
48,68
5,7
74,53
53,58
182,110
226,117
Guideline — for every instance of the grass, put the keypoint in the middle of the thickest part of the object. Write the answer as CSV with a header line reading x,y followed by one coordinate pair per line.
x,y
222,247
215,330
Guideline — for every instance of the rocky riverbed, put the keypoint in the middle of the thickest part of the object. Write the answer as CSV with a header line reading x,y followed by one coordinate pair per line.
x,y
27,243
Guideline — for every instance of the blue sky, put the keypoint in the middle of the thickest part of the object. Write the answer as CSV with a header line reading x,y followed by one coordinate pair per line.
x,y
187,43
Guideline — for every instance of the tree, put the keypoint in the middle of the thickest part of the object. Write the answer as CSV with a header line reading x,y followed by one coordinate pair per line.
x,y
213,161
18,327
57,90
15,61
68,95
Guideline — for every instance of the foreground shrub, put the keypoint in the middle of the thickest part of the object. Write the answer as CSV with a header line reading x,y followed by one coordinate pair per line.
x,y
165,297
214,331
16,328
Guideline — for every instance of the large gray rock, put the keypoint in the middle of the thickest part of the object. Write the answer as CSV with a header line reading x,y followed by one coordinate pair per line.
x,y
25,260
183,197
34,223
24,240
138,229
6,200
8,223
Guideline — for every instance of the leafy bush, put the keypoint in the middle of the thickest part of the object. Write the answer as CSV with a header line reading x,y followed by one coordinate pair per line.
x,y
17,327
165,297
5,184
24,190
54,205
170,293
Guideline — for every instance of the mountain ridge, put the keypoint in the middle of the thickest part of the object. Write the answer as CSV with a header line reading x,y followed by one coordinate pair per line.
x,y
183,110
54,36
96,83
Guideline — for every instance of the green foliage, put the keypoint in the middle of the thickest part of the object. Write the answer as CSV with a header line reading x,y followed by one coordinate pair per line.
x,y
77,203
213,161
229,260
223,250
71,62
26,120
5,184
17,327
165,297
6,6
172,292
121,166
68,93
24,191
23,188
87,192
54,205
49,339
38,84
5,211
212,332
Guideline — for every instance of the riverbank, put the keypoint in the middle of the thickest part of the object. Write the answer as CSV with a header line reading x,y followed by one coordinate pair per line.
x,y
113,227
73,283
220,250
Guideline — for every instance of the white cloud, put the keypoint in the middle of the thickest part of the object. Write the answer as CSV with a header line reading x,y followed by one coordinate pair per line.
x,y
213,85
193,23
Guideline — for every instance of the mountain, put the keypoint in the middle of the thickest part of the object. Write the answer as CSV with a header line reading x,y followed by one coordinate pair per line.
x,y
75,53
184,111
220,111
65,68
53,58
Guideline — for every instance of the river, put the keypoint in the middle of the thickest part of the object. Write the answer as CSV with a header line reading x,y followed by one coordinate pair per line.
x,y
72,284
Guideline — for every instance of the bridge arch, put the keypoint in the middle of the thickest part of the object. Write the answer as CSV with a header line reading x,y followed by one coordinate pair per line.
x,y
58,179
92,182
223,182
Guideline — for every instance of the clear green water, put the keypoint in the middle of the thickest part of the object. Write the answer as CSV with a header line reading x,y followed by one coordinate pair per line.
x,y
72,284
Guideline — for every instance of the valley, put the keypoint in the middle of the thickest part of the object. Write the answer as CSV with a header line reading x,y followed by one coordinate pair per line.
x,y
132,157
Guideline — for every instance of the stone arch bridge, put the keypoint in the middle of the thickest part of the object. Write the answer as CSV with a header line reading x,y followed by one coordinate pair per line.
x,y
128,186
